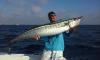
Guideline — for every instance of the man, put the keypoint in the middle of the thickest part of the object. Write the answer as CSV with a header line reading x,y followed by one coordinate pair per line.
x,y
54,45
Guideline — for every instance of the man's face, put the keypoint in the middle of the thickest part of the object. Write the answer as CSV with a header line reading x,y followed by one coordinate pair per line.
x,y
53,17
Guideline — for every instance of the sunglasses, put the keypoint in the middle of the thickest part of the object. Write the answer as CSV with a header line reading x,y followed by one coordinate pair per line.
x,y
52,14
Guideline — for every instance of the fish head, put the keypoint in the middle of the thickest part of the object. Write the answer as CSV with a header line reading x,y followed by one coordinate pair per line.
x,y
74,22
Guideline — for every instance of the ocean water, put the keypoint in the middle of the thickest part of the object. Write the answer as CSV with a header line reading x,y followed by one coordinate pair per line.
x,y
82,44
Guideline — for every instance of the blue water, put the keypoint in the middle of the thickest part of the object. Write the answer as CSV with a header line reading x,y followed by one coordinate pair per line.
x,y
82,44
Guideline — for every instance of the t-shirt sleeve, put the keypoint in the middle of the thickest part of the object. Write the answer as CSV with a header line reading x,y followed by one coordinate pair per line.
x,y
44,38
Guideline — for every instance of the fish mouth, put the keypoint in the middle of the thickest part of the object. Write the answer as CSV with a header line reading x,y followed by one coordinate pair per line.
x,y
75,22
78,18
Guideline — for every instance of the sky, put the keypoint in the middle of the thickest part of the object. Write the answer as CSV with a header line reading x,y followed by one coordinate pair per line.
x,y
32,12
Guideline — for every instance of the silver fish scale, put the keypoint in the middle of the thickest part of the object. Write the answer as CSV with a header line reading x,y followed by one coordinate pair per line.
x,y
51,29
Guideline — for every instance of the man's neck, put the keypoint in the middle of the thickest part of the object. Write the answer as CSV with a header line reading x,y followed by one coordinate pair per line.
x,y
53,22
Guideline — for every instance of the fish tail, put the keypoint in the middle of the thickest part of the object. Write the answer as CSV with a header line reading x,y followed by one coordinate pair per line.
x,y
9,42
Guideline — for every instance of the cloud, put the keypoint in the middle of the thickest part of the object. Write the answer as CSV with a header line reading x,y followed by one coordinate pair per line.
x,y
28,11
67,14
22,12
22,7
92,18
19,6
42,2
1,14
36,9
37,6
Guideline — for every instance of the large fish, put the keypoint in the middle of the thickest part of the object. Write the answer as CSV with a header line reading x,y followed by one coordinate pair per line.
x,y
50,29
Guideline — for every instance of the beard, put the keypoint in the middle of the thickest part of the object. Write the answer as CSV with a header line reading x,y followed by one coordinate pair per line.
x,y
52,20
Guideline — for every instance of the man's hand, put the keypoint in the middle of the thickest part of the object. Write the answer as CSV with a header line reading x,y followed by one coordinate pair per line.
x,y
37,37
70,31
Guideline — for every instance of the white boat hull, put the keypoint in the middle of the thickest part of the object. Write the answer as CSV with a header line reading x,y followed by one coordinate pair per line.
x,y
19,57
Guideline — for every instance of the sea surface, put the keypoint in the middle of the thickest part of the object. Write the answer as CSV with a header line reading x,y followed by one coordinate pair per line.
x,y
82,44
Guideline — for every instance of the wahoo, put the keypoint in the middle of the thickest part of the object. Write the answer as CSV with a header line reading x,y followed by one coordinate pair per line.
x,y
50,29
